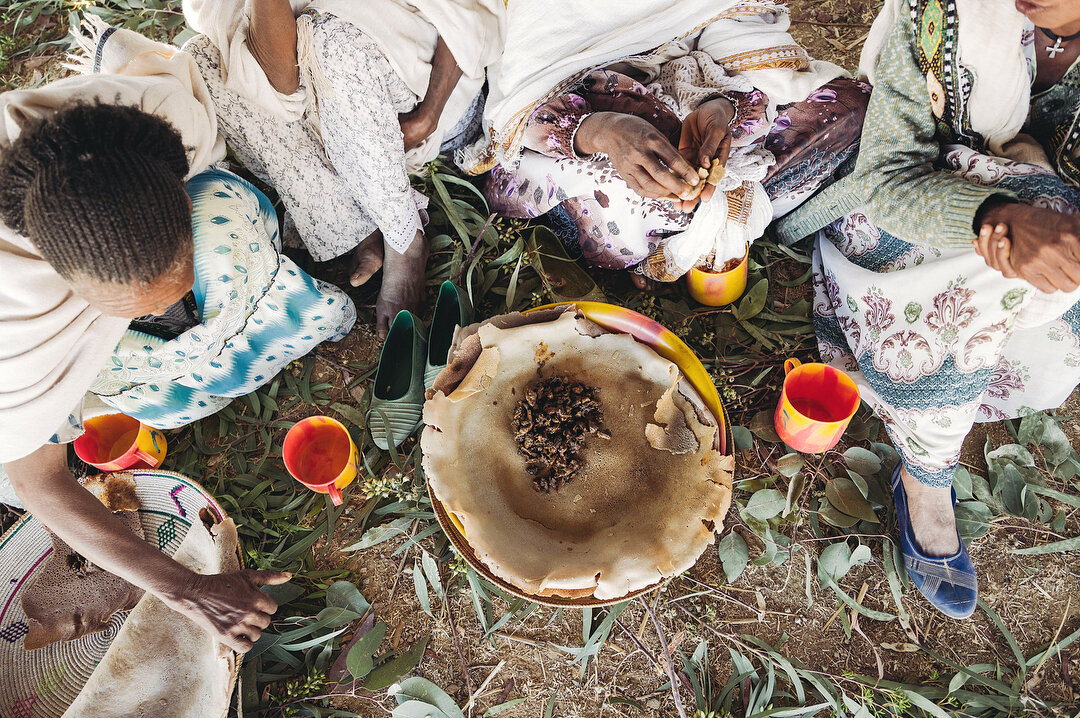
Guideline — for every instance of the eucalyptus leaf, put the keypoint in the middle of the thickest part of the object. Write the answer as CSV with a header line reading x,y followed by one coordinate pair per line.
x,y
862,461
846,497
734,555
343,594
765,504
794,492
754,301
359,659
743,438
420,586
421,689
503,707
790,464
762,427
972,519
387,674
836,517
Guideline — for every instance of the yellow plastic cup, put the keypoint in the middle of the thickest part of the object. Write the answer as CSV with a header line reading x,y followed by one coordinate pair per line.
x,y
320,454
115,442
717,289
815,407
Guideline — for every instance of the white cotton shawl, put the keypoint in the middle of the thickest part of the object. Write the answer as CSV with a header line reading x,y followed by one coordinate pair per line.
x,y
406,32
990,47
52,343
550,44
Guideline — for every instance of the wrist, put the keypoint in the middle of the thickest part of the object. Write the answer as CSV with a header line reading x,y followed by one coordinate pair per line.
x,y
593,133
173,584
995,210
722,105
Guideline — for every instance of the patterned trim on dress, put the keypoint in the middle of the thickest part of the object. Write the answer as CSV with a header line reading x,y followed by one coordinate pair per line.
x,y
101,48
788,57
948,82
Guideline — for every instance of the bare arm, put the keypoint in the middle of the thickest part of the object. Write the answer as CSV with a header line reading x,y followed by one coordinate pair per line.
x,y
272,40
418,125
230,606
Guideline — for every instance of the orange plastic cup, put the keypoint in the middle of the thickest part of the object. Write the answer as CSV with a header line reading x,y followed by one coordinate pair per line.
x,y
716,289
115,442
320,454
815,407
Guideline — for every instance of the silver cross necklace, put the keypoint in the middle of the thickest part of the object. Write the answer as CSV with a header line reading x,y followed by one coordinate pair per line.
x,y
1059,42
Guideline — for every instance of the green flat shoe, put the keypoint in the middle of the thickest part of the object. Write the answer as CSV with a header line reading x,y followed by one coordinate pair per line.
x,y
397,404
450,313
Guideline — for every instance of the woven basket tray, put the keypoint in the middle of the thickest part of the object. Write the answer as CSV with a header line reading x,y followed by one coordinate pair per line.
x,y
43,683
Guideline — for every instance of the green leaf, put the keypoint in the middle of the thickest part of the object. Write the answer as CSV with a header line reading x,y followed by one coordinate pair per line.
x,y
834,562
973,519
420,585
862,461
734,555
794,492
623,701
763,428
549,710
1071,544
378,534
387,674
743,438
416,709
359,659
836,517
343,594
754,301
790,464
424,690
351,414
962,484
846,497
431,570
765,504
503,707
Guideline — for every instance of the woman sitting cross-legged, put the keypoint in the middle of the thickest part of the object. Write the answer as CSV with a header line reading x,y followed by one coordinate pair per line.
x,y
136,278
335,103
951,292
615,129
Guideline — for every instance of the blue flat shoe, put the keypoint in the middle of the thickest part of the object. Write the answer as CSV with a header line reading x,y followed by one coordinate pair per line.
x,y
949,583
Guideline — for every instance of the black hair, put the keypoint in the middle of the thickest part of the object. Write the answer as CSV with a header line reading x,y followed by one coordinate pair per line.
x,y
99,190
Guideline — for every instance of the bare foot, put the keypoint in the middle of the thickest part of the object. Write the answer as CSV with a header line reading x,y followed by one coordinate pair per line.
x,y
644,283
367,258
933,522
402,282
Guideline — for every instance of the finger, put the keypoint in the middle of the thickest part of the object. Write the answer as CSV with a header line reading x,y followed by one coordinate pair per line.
x,y
239,643
1041,282
707,193
710,148
252,632
662,176
270,578
649,187
1001,247
259,620
676,162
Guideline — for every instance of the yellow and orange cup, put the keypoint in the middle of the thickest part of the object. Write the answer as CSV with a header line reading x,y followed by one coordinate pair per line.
x,y
717,289
115,442
320,454
815,407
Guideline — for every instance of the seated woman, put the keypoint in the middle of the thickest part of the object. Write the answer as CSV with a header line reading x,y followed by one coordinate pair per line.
x,y
136,278
334,103
607,153
965,138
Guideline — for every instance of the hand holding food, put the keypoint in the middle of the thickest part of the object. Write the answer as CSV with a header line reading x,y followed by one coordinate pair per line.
x,y
643,157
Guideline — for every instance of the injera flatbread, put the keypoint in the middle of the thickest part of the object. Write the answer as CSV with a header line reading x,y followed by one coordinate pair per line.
x,y
71,597
161,664
634,515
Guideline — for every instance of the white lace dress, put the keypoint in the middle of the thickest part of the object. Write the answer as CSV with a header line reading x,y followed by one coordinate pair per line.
x,y
340,183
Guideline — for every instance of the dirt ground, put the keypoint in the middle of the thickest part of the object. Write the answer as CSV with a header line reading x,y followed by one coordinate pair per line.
x,y
1034,595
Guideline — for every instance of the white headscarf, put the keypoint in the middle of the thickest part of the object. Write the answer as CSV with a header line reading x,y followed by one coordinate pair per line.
x,y
52,343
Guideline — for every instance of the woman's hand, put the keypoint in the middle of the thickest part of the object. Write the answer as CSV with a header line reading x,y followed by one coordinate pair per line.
x,y
417,126
229,606
1038,245
706,135
643,157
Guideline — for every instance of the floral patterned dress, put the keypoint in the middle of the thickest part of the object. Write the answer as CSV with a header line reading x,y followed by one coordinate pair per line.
x,y
935,338
613,227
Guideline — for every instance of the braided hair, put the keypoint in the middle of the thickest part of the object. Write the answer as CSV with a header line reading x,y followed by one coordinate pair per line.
x,y
99,191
